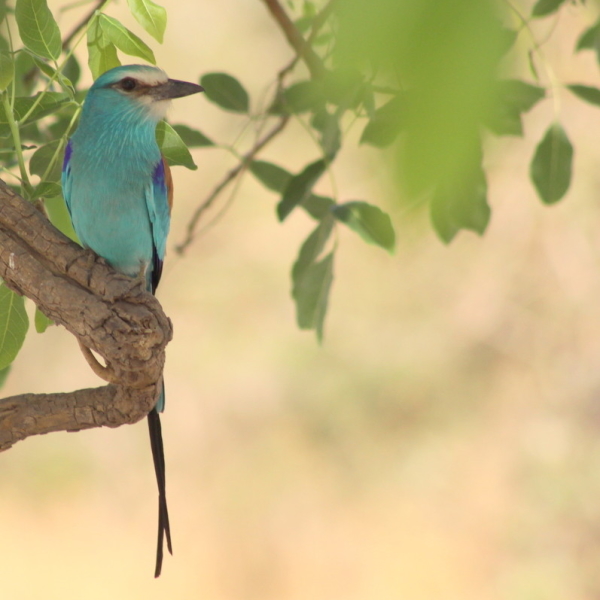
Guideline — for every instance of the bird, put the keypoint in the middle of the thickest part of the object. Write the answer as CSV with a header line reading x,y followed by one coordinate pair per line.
x,y
118,190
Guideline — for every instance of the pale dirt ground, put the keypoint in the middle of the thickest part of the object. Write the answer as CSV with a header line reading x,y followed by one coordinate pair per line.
x,y
444,443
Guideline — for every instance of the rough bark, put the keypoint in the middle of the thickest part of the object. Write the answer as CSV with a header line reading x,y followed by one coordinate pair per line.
x,y
107,312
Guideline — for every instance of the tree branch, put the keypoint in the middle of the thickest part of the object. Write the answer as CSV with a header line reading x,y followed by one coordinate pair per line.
x,y
34,414
227,179
108,312
295,39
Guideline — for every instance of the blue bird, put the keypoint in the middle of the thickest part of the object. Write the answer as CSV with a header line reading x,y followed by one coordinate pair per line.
x,y
119,192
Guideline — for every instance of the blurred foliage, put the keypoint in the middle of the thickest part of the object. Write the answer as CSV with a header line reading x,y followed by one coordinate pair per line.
x,y
420,77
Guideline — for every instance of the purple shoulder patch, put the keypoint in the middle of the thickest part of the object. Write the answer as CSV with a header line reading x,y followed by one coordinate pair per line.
x,y
68,151
158,177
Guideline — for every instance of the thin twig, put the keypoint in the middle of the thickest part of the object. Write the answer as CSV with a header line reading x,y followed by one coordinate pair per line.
x,y
229,177
295,39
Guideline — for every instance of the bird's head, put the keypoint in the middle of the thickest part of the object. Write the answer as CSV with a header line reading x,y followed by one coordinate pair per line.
x,y
141,89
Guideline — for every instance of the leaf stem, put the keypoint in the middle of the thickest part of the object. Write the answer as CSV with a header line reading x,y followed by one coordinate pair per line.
x,y
16,135
61,143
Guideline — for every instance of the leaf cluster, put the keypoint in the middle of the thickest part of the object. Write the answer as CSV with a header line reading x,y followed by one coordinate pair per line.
x,y
40,103
434,113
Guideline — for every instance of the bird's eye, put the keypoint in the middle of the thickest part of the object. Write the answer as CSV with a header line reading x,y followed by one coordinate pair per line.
x,y
128,84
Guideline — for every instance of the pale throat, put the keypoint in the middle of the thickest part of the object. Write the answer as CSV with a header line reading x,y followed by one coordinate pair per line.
x,y
157,110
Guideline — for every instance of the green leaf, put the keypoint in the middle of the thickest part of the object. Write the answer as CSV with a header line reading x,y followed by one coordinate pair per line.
x,y
309,9
370,222
4,372
463,206
303,24
42,322
7,70
125,40
172,147
50,103
588,39
62,125
102,54
13,325
38,29
310,281
41,159
226,91
323,38
586,92
23,64
299,97
270,175
151,16
318,206
311,294
546,7
52,73
312,247
331,134
508,38
514,97
299,188
192,138
43,66
72,70
551,165
505,120
59,216
385,126
521,95
345,87
47,189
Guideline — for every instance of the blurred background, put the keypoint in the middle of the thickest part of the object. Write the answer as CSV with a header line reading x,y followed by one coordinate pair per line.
x,y
443,442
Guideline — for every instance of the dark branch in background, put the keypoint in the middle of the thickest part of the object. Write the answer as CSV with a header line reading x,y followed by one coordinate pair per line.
x,y
295,39
229,177
106,311
98,6
303,50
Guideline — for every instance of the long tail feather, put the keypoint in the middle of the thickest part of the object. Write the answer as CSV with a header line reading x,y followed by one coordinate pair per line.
x,y
158,455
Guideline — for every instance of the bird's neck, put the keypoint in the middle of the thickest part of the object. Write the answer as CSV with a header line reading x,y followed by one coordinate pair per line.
x,y
119,134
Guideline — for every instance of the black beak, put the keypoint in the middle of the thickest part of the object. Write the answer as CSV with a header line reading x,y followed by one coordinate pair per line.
x,y
174,89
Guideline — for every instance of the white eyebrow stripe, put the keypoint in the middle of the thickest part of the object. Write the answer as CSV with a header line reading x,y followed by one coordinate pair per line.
x,y
149,77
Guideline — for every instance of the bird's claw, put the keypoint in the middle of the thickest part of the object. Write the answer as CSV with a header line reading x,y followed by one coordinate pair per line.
x,y
138,285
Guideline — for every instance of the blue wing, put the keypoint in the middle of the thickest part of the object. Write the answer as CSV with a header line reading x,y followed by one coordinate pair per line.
x,y
159,196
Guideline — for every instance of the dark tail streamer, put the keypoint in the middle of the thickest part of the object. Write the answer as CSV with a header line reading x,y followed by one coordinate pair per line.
x,y
158,455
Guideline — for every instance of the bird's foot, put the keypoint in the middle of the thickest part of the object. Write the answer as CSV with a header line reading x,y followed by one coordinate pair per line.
x,y
138,285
